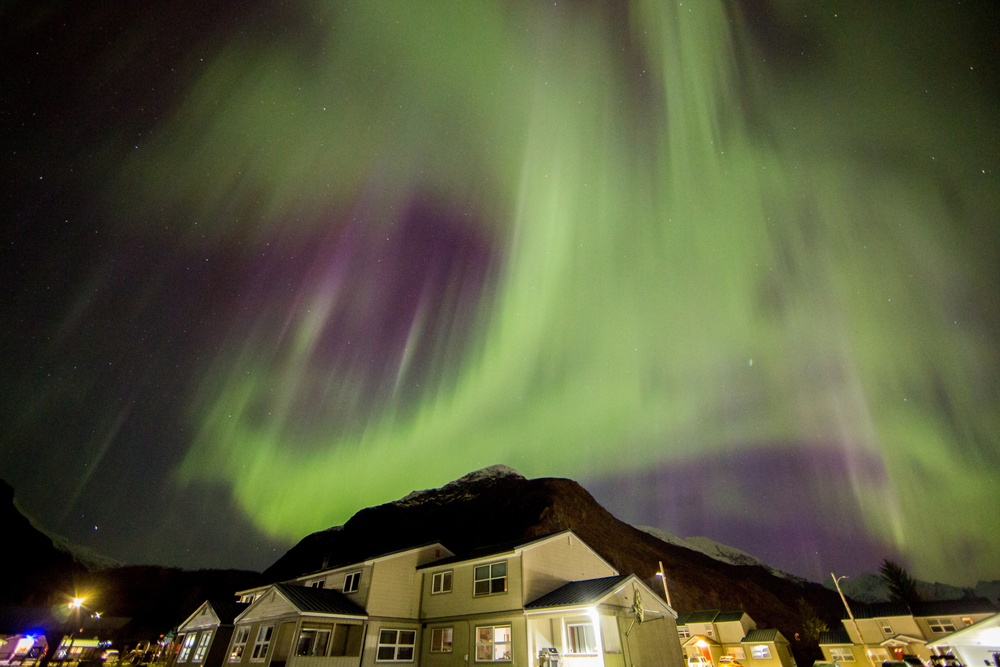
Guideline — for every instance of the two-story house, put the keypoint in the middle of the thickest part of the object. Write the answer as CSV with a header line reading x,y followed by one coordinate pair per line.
x,y
892,630
203,638
732,637
534,604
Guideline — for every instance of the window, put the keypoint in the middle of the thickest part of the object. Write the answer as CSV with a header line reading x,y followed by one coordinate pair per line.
x,y
490,579
202,648
967,620
841,655
312,642
395,645
941,625
580,637
319,583
441,582
761,652
683,632
885,625
351,582
263,641
441,640
493,643
186,646
239,643
737,652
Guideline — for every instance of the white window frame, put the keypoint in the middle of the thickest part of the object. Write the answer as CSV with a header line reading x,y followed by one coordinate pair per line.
x,y
885,626
491,645
575,632
262,643
841,654
941,625
486,574
186,646
352,582
441,582
201,650
240,638
442,639
314,634
761,652
395,639
683,632
737,652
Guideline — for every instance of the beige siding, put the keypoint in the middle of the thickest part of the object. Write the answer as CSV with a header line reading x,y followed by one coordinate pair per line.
x,y
203,618
394,590
463,653
552,563
461,602
369,656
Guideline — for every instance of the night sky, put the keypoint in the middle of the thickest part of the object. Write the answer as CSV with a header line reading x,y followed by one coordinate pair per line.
x,y
733,266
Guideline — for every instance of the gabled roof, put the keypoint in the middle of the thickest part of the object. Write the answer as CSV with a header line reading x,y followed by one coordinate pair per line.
x,y
838,636
762,635
320,600
588,591
702,616
881,610
954,607
368,560
227,610
730,616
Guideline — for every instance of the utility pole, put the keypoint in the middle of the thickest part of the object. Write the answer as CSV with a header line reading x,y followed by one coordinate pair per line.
x,y
850,615
663,578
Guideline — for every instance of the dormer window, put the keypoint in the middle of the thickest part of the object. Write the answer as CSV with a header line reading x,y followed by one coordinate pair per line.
x,y
351,582
490,579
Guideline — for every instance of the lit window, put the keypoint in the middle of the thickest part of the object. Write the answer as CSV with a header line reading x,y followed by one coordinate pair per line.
x,y
441,582
580,637
441,640
737,652
186,646
239,643
202,648
967,620
761,652
313,642
351,582
395,645
841,655
493,643
262,643
490,579
941,625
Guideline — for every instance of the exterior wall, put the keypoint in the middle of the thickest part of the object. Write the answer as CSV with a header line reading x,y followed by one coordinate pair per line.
x,y
652,643
959,621
461,601
733,632
394,587
781,655
855,650
549,565
463,653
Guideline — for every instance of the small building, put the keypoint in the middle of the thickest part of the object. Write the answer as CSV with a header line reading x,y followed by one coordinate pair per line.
x,y
714,637
203,638
972,645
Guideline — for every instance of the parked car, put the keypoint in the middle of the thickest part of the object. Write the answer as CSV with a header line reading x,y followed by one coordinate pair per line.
x,y
699,661
728,661
826,663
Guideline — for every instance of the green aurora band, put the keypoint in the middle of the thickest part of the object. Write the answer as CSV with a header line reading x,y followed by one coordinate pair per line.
x,y
702,250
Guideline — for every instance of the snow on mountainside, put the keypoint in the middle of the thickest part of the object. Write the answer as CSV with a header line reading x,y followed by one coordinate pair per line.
x,y
713,549
459,488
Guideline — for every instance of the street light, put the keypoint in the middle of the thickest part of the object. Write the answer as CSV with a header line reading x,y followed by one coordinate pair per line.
x,y
663,578
850,615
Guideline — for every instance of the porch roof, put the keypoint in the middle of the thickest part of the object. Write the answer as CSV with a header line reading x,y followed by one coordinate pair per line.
x,y
320,600
588,591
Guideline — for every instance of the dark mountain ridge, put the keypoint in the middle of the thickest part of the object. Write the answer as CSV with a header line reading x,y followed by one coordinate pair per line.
x,y
497,505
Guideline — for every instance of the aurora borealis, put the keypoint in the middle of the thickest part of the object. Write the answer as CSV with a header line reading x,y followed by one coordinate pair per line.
x,y
731,265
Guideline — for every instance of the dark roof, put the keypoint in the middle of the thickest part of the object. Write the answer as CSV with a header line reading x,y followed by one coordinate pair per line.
x,y
227,610
490,550
838,636
880,610
953,607
702,616
587,591
320,600
729,616
762,635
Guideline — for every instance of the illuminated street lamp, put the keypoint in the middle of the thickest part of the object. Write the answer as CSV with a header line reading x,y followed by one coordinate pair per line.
x,y
850,615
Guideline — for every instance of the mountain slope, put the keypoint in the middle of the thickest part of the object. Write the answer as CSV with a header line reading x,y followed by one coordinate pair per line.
x,y
498,505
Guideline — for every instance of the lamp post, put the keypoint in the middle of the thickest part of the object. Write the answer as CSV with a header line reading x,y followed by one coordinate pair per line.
x,y
850,615
663,578
75,605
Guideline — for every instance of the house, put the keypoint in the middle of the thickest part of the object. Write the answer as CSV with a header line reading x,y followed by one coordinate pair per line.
x,y
548,602
972,645
892,630
710,635
203,638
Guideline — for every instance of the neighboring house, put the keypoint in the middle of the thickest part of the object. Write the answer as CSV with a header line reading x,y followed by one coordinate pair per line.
x,y
203,639
552,600
972,645
892,630
711,634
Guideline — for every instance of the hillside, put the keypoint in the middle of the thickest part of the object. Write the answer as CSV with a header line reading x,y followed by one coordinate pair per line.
x,y
498,505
